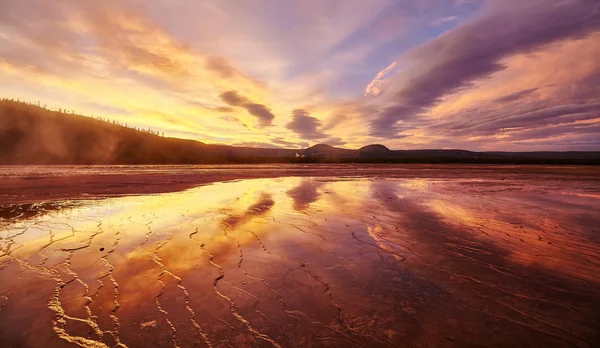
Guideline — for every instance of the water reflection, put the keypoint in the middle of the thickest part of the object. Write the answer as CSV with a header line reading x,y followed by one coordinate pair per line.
x,y
307,262
261,207
31,210
305,193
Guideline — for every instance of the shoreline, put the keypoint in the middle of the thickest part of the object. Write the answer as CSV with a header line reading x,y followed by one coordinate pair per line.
x,y
34,184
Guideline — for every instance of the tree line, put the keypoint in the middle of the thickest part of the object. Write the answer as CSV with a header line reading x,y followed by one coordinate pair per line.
x,y
72,112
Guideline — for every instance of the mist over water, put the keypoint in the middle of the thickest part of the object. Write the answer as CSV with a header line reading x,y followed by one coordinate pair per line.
x,y
310,262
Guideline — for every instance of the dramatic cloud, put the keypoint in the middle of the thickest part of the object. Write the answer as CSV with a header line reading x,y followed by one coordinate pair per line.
x,y
305,125
70,31
261,112
472,74
546,116
459,58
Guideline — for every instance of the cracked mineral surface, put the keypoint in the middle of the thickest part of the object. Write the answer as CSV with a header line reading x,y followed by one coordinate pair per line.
x,y
429,261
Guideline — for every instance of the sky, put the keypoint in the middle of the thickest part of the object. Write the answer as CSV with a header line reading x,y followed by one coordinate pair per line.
x,y
487,75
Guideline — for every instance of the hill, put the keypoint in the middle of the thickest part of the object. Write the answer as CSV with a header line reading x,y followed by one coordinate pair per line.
x,y
31,134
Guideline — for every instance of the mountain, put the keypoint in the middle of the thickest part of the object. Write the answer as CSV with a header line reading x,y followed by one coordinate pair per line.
x,y
375,151
327,153
375,148
31,134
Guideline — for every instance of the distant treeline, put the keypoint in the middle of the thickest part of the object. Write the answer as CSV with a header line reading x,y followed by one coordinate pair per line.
x,y
45,107
34,134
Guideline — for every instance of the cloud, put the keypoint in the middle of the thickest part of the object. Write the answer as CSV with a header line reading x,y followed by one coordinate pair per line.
x,y
223,69
515,96
509,72
576,142
376,86
233,119
545,116
257,144
283,142
554,131
224,109
261,112
467,5
456,60
204,106
95,51
444,20
233,98
334,121
264,114
230,118
306,126
220,66
459,3
334,141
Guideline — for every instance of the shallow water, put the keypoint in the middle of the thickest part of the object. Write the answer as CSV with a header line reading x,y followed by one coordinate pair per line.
x,y
308,262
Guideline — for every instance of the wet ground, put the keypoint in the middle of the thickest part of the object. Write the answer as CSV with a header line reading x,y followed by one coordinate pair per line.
x,y
33,184
445,260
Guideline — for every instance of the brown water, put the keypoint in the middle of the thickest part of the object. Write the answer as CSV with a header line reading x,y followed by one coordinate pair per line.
x,y
298,262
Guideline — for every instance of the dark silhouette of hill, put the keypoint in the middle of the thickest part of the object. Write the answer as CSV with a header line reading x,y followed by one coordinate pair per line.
x,y
32,134
375,148
326,153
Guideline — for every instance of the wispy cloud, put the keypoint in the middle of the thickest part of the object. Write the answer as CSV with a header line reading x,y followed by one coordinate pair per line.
x,y
378,83
444,20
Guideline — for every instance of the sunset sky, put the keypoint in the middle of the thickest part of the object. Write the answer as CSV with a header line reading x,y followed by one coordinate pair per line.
x,y
472,74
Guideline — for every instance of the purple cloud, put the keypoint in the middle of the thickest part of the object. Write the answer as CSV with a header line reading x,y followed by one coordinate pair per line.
x,y
460,57
306,126
516,96
261,112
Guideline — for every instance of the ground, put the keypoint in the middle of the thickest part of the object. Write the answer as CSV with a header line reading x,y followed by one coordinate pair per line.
x,y
337,256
